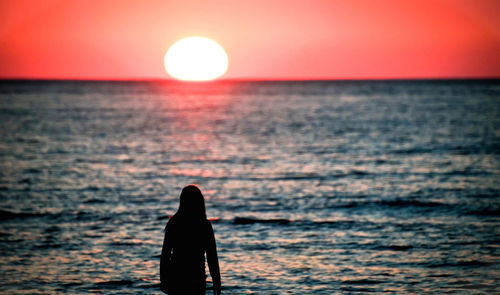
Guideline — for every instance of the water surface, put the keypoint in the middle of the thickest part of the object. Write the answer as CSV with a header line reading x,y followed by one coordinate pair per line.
x,y
314,187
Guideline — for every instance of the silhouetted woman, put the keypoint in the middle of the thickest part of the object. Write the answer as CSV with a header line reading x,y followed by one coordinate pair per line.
x,y
188,236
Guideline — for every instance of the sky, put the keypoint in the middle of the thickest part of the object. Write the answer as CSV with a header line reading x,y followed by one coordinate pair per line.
x,y
270,39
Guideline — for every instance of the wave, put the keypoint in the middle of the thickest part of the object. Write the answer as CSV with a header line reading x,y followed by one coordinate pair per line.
x,y
357,290
493,212
409,151
94,201
32,171
258,247
118,244
7,215
115,283
362,282
394,247
75,215
472,263
149,286
251,220
408,203
456,150
398,203
283,221
49,246
295,176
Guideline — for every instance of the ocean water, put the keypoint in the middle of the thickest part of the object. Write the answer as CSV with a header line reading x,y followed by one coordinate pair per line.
x,y
312,187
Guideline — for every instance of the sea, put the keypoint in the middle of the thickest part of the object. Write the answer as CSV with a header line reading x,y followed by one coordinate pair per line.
x,y
312,187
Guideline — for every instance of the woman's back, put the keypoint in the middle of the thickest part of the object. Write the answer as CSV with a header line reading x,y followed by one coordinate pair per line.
x,y
189,244
188,236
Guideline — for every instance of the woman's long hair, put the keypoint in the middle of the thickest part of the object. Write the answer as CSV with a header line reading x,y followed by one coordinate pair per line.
x,y
192,204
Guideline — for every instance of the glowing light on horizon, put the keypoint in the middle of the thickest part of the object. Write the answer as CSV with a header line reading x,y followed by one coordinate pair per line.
x,y
196,59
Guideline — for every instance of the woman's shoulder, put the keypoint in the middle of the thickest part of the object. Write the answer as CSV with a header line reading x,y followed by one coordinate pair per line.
x,y
172,221
208,225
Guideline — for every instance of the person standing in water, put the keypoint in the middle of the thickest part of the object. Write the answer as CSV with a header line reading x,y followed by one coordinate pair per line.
x,y
188,236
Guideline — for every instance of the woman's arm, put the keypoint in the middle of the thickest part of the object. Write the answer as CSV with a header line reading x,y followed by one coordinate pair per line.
x,y
165,257
213,260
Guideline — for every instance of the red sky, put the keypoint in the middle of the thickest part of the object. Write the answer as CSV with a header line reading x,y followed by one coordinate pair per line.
x,y
330,39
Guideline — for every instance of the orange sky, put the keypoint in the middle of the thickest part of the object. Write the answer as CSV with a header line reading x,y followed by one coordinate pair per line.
x,y
330,39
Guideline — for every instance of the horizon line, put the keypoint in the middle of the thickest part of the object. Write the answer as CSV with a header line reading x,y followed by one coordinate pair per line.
x,y
222,80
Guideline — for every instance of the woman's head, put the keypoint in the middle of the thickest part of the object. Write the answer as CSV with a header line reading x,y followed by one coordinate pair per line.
x,y
192,203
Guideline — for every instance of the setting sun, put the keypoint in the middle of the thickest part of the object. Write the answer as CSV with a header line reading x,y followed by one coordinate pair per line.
x,y
196,59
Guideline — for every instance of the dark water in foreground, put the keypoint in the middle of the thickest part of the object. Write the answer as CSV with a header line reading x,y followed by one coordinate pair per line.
x,y
316,187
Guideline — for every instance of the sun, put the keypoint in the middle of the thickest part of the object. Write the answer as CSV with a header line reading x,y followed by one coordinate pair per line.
x,y
196,59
